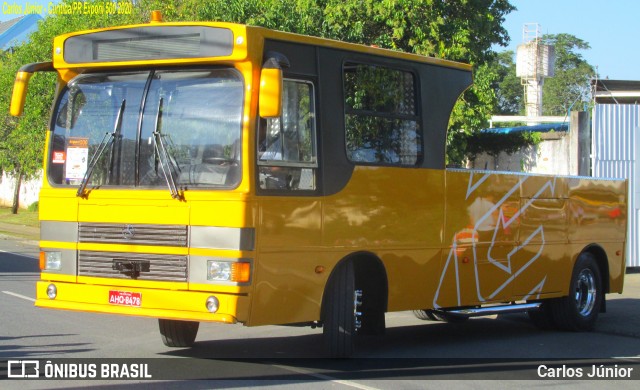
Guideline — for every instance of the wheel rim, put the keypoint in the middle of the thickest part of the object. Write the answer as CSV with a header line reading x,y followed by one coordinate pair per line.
x,y
357,302
585,293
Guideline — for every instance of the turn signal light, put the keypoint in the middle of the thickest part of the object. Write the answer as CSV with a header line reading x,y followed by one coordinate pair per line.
x,y
156,17
240,272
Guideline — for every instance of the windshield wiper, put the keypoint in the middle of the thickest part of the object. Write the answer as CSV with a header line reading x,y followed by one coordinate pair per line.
x,y
107,141
165,157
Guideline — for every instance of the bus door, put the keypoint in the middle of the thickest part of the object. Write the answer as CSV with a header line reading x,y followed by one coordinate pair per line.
x,y
289,208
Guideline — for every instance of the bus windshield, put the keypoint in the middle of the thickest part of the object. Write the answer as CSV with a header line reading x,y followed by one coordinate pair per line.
x,y
154,127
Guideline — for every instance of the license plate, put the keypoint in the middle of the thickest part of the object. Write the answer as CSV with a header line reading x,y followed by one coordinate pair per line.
x,y
125,298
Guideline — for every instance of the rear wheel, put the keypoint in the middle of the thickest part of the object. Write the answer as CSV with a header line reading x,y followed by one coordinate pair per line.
x,y
543,318
178,333
340,312
579,311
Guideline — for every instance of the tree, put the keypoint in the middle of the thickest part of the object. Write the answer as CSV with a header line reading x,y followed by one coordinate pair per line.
x,y
570,86
471,114
463,30
508,87
22,139
567,89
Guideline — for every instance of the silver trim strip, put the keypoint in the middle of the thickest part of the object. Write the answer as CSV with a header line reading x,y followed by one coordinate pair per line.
x,y
162,267
210,237
529,174
133,234
59,231
490,310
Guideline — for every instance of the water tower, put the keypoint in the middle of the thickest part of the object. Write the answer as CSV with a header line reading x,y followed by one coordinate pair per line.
x,y
534,62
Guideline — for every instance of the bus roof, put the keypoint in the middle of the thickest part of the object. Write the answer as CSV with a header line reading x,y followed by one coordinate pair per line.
x,y
375,50
174,43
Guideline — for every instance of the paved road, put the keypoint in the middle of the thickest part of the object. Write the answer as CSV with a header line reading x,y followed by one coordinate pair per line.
x,y
506,348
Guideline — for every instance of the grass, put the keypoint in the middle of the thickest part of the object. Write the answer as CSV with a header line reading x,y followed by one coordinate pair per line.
x,y
24,217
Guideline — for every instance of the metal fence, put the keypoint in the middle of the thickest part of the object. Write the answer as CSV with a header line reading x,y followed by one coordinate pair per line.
x,y
615,133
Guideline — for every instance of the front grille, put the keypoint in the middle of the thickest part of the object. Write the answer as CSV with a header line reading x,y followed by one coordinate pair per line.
x,y
161,267
138,234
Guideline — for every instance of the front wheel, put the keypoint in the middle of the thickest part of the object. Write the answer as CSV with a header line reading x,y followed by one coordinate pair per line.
x,y
178,333
579,311
340,317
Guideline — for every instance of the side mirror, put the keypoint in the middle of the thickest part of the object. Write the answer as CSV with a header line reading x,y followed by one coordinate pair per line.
x,y
270,103
22,82
19,93
270,99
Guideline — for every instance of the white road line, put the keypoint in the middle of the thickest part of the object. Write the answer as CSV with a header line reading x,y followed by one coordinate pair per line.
x,y
325,377
18,254
19,296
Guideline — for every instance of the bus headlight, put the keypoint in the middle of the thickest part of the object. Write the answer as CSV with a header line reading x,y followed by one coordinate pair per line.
x,y
228,271
52,260
219,271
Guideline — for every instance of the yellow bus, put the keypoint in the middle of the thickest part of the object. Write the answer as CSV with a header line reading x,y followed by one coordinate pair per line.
x,y
214,172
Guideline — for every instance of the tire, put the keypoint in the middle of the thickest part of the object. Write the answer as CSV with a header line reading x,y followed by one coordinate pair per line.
x,y
178,333
372,321
543,318
339,316
579,311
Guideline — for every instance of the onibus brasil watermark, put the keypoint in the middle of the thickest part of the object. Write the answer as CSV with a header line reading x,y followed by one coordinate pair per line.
x,y
54,370
106,7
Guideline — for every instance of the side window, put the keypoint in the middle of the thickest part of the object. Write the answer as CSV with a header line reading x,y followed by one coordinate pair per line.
x,y
287,145
382,118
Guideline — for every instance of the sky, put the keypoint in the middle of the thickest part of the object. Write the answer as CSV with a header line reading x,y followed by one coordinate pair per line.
x,y
611,27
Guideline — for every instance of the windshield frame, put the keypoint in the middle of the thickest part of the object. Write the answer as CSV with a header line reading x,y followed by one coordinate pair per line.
x,y
141,107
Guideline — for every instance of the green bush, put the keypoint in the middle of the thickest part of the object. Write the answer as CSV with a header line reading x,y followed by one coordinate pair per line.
x,y
495,143
33,207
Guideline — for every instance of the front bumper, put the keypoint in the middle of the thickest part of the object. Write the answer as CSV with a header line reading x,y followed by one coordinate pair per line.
x,y
157,303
